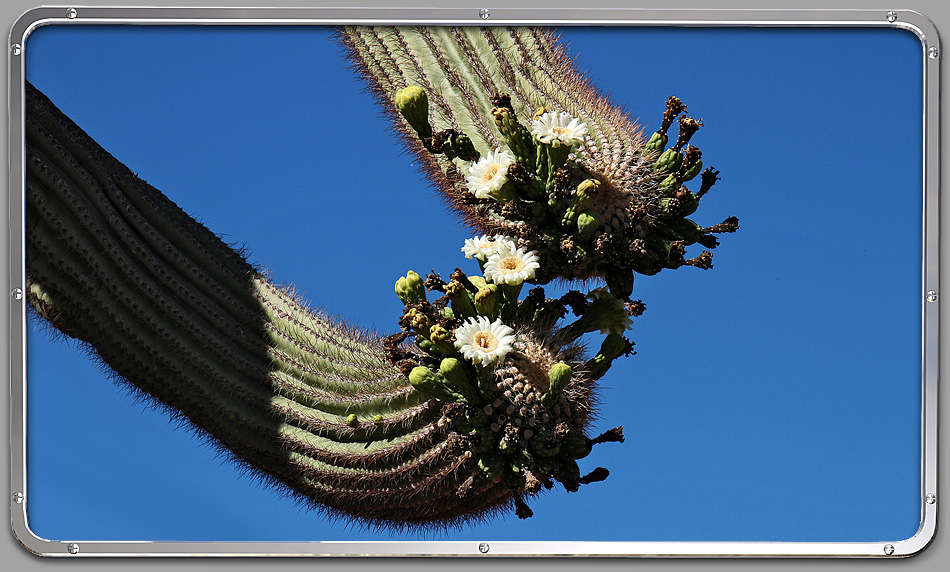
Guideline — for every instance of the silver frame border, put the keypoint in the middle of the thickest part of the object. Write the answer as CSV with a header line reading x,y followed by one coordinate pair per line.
x,y
905,19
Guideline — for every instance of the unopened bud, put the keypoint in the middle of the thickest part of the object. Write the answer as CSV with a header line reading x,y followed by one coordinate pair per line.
x,y
485,300
587,222
668,162
463,148
657,142
413,104
559,377
620,283
410,288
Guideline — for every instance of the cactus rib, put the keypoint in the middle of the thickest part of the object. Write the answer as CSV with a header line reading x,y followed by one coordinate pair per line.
x,y
310,404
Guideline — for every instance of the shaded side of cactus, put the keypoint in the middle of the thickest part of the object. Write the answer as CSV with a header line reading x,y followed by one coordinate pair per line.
x,y
314,406
485,90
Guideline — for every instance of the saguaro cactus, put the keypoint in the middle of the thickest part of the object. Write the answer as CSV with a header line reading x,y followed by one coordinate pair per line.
x,y
425,433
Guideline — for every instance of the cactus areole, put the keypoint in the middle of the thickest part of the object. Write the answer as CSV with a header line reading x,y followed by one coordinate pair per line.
x,y
484,396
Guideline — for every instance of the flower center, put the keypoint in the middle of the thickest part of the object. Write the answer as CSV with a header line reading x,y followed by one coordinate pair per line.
x,y
490,173
559,130
511,264
485,341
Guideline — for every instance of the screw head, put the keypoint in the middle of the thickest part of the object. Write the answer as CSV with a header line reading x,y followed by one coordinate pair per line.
x,y
892,17
71,14
16,49
73,548
18,498
483,547
888,549
17,293
932,296
933,53
931,498
484,14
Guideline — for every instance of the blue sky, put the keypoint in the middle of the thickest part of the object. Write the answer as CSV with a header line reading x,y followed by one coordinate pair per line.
x,y
774,397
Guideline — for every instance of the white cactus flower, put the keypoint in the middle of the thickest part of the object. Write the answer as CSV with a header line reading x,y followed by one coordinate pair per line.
x,y
510,265
483,342
489,173
557,129
481,247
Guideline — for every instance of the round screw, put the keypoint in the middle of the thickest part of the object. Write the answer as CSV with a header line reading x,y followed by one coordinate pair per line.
x,y
17,293
484,14
18,498
931,498
888,549
932,296
933,53
16,49
483,547
73,548
71,14
892,17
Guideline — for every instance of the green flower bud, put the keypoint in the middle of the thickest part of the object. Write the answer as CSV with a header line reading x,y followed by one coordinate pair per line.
x,y
688,202
612,346
463,148
491,465
478,281
377,418
421,376
668,185
559,377
410,288
485,300
619,282
604,313
657,142
426,381
684,203
418,321
523,458
461,299
486,440
413,104
686,230
545,444
352,420
694,170
668,162
587,222
454,372
460,379
586,192
516,136
583,198
575,447
441,339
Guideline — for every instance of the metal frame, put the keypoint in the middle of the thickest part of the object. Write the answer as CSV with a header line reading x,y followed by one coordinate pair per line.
x,y
930,54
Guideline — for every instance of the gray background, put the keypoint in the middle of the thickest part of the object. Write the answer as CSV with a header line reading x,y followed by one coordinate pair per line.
x,y
937,555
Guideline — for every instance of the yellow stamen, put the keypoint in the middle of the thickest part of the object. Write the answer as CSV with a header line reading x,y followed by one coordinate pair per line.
x,y
511,264
490,173
485,341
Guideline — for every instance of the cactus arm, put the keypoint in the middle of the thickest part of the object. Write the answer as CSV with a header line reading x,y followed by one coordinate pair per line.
x,y
462,68
185,319
491,85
